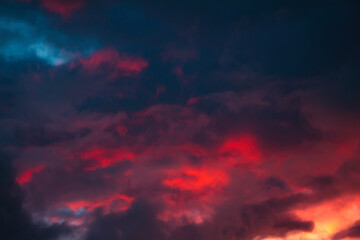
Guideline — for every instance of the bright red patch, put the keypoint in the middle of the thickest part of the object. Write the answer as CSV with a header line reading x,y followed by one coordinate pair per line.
x,y
106,157
26,176
192,193
195,183
244,147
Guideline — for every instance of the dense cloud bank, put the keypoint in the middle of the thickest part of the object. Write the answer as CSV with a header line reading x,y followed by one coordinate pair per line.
x,y
15,223
176,120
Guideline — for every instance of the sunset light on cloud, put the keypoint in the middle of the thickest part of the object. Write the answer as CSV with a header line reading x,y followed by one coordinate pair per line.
x,y
26,176
179,120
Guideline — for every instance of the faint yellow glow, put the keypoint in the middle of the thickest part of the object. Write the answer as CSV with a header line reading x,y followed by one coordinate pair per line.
x,y
329,217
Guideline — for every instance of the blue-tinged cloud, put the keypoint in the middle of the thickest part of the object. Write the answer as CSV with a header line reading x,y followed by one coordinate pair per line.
x,y
23,40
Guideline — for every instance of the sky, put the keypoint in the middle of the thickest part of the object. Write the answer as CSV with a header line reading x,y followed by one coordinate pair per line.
x,y
179,120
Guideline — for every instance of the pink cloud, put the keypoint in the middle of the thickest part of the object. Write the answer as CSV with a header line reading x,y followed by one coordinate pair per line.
x,y
123,202
110,61
105,157
26,176
244,148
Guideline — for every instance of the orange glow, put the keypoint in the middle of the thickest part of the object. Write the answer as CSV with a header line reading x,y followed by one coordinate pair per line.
x,y
26,176
244,146
106,157
329,218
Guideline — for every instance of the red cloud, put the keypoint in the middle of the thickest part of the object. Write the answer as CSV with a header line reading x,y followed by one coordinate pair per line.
x,y
63,7
244,147
110,61
117,201
105,157
200,181
26,176
193,193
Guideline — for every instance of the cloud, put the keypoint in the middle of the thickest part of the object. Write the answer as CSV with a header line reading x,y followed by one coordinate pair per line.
x,y
64,8
26,176
14,217
351,232
264,219
167,121
109,61
106,157
25,41
139,222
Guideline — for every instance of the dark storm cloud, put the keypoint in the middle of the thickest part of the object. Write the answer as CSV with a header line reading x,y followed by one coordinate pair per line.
x,y
269,218
139,222
282,38
344,181
15,222
245,24
203,70
352,232
76,186
291,225
274,182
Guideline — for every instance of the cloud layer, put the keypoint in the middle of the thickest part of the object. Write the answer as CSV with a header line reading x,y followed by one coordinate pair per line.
x,y
179,120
